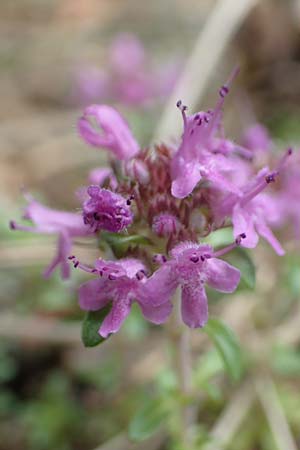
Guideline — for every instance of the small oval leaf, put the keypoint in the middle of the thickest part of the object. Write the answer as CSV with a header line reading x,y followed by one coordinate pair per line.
x,y
227,346
90,327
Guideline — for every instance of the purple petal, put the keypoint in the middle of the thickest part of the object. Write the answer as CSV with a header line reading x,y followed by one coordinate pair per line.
x,y
194,309
94,295
50,220
160,287
61,258
158,314
266,233
243,223
186,179
118,313
222,276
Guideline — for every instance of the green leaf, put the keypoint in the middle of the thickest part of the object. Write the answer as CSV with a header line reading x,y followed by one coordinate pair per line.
x,y
147,420
90,327
119,243
240,258
220,238
228,347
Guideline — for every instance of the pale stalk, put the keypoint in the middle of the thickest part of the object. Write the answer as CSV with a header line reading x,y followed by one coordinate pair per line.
x,y
222,24
179,335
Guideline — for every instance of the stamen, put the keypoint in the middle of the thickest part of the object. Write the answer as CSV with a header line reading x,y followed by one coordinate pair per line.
x,y
159,259
271,177
140,275
183,109
129,200
224,91
230,247
284,159
76,263
259,188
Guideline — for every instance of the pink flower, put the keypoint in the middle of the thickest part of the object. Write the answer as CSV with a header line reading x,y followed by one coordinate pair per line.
x,y
122,283
115,134
252,211
201,154
106,210
128,78
192,266
66,225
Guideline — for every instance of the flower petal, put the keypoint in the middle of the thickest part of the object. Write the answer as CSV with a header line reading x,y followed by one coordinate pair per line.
x,y
114,319
267,233
194,309
187,175
222,276
158,314
94,294
160,287
61,258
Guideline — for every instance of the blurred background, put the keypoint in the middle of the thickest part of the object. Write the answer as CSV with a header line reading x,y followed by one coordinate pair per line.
x,y
57,57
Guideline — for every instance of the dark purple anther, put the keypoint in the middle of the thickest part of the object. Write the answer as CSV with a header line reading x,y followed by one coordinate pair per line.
x,y
239,238
223,91
270,178
111,277
194,259
140,275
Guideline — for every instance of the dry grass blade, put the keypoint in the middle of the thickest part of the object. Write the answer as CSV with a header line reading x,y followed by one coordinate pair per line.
x,y
232,417
122,442
275,415
225,19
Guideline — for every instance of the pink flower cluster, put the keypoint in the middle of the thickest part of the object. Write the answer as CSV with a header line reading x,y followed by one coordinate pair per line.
x,y
128,78
172,198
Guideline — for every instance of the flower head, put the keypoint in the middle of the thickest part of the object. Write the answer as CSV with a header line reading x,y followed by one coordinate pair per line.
x,y
121,283
106,210
115,134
